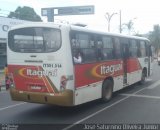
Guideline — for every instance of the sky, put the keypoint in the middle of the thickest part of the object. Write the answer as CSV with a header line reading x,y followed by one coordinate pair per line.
x,y
144,13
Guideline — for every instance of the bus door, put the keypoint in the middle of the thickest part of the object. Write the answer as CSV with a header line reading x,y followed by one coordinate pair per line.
x,y
125,52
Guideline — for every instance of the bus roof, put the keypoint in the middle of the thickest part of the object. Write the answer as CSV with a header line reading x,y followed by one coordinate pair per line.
x,y
74,27
85,29
36,24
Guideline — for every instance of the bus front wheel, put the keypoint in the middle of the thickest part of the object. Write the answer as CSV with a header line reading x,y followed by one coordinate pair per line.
x,y
107,90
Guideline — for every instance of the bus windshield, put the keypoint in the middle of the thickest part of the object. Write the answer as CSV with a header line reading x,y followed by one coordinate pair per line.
x,y
34,40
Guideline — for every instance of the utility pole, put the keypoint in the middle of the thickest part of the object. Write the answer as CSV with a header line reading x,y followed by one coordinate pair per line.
x,y
120,22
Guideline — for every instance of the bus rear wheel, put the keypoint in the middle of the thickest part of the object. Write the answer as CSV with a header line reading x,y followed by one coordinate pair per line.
x,y
107,90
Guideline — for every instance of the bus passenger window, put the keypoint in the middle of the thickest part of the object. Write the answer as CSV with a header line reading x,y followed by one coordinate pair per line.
x,y
117,48
87,48
75,43
100,55
77,57
107,47
133,49
92,44
143,48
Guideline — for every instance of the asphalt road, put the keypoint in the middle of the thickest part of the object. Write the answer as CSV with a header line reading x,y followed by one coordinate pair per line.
x,y
137,104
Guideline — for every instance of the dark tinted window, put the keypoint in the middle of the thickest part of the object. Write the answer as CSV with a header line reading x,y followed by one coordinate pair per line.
x,y
133,48
117,48
107,48
84,44
143,48
34,40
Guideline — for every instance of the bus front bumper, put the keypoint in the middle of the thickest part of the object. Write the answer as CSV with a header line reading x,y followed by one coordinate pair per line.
x,y
62,99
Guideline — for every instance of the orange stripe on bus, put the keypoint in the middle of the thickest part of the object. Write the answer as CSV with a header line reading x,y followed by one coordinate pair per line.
x,y
48,85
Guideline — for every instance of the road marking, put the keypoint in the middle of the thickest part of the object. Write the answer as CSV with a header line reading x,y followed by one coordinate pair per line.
x,y
144,96
154,85
121,100
12,106
148,79
139,90
70,126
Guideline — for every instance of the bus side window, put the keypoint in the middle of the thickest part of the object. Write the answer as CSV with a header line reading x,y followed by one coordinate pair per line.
x,y
125,47
133,49
117,48
107,47
77,56
86,47
100,55
75,43
92,44
138,50
142,48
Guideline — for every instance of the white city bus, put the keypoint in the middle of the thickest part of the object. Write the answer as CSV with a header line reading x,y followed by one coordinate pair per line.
x,y
42,68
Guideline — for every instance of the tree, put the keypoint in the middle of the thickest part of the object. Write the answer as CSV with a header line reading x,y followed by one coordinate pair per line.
x,y
154,37
129,26
25,13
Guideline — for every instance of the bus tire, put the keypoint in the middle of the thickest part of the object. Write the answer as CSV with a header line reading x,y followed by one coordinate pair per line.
x,y
143,77
107,90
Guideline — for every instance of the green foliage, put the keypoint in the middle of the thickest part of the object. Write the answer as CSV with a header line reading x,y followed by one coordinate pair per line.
x,y
154,37
129,26
25,13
